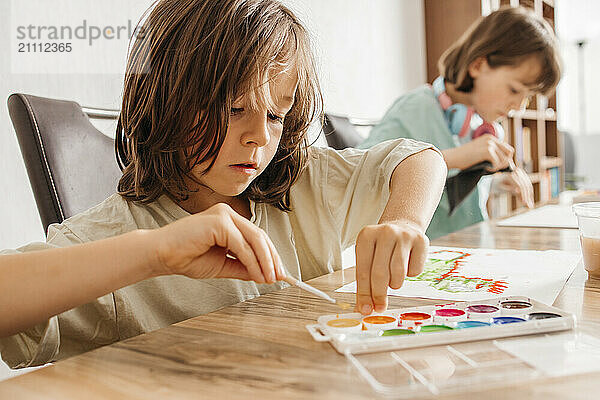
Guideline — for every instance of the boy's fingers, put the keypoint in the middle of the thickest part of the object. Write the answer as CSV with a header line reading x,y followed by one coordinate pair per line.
x,y
517,185
503,160
418,256
234,269
528,193
528,187
500,152
525,188
216,264
398,267
256,238
506,148
268,263
380,272
280,273
531,196
364,255
495,160
236,243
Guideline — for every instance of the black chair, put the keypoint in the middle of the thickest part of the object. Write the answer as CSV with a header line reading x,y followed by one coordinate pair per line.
x,y
71,165
340,131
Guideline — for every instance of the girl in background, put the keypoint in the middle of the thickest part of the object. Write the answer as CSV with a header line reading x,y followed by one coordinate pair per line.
x,y
498,63
218,182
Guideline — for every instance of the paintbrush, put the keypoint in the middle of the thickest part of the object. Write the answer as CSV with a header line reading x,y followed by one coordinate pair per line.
x,y
295,282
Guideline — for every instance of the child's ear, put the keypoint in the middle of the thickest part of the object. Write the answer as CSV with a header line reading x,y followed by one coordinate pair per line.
x,y
476,67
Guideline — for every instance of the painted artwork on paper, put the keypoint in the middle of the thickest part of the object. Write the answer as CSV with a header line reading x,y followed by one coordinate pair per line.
x,y
477,274
443,272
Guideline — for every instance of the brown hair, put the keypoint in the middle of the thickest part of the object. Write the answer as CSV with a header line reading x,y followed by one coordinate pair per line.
x,y
194,58
506,37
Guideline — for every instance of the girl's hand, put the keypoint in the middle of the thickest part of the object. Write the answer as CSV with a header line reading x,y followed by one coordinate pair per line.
x,y
385,254
216,243
484,148
517,182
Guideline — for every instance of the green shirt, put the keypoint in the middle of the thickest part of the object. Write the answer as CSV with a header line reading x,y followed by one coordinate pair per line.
x,y
418,115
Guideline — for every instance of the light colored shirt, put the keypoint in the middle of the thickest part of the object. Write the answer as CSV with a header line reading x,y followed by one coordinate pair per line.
x,y
418,115
337,194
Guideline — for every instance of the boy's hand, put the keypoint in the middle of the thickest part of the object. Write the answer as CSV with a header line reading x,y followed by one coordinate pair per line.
x,y
216,243
385,254
483,148
489,148
518,182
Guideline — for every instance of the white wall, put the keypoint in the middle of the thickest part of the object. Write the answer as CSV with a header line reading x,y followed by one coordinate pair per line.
x,y
369,53
18,212
577,20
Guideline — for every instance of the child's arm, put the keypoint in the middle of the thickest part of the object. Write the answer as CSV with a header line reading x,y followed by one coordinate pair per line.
x,y
484,148
37,285
397,246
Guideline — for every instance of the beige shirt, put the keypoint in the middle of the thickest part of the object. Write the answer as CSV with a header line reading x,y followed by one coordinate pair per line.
x,y
337,194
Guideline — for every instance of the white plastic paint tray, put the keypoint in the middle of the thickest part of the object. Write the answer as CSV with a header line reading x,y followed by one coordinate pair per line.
x,y
369,341
466,360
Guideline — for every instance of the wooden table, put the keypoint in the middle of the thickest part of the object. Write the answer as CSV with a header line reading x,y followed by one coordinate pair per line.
x,y
260,349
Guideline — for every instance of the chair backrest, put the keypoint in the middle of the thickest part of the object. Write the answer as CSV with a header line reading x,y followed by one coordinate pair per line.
x,y
71,165
340,133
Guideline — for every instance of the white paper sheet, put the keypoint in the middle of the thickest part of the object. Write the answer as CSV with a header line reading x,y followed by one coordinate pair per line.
x,y
461,274
550,216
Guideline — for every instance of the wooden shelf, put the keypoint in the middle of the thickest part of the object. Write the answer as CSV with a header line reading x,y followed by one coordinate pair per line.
x,y
548,115
533,132
550,162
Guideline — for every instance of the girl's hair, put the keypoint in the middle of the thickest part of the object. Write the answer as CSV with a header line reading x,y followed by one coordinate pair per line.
x,y
506,37
190,61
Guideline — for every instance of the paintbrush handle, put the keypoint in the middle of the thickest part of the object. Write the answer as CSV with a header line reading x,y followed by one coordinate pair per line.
x,y
295,282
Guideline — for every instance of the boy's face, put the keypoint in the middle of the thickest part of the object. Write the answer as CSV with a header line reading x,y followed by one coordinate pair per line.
x,y
251,142
499,90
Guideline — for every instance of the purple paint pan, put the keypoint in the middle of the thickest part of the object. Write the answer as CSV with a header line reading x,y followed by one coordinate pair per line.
x,y
482,312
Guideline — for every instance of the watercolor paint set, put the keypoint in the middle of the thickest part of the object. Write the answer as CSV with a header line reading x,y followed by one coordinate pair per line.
x,y
461,347
440,324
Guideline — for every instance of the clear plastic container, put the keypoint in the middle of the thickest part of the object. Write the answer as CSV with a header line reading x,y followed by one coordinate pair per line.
x,y
588,220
